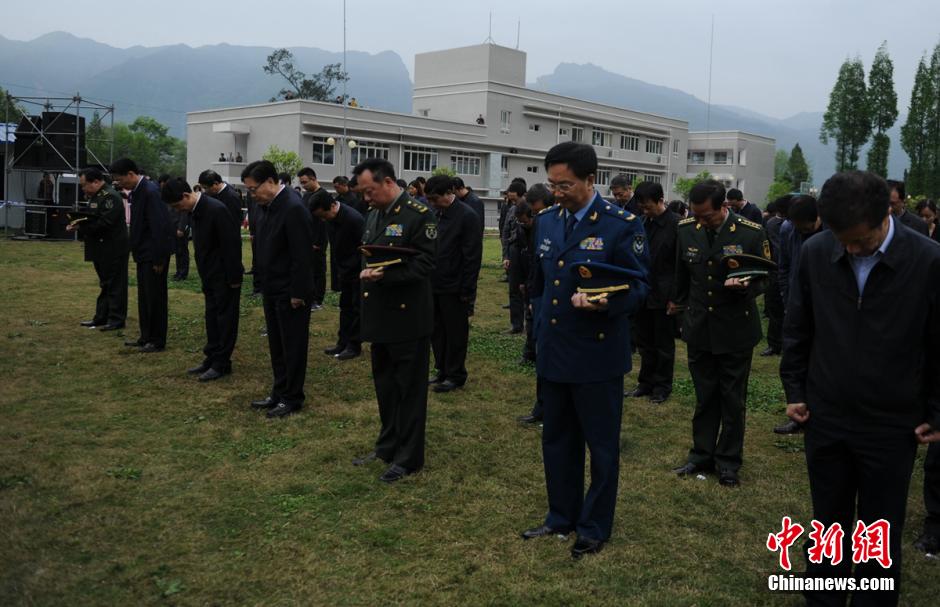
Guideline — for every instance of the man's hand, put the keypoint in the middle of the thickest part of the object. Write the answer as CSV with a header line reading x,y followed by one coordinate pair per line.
x,y
297,303
798,412
926,434
522,288
671,309
179,233
372,274
71,227
737,283
580,302
158,268
505,264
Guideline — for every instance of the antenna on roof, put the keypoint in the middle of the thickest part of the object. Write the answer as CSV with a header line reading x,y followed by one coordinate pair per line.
x,y
518,29
489,36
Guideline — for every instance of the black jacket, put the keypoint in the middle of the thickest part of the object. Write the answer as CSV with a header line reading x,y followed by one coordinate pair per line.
x,y
345,238
105,234
459,250
473,201
320,233
872,361
218,244
152,233
661,235
233,202
351,199
751,212
284,246
913,222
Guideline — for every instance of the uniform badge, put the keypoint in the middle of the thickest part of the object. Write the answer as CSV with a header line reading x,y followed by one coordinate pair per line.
x,y
766,249
430,231
93,205
693,249
584,272
546,245
733,264
593,243
733,227
395,229
639,243
732,249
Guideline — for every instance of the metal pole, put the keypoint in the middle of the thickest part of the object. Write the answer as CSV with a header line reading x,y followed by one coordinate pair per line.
x,y
111,155
6,163
342,148
708,110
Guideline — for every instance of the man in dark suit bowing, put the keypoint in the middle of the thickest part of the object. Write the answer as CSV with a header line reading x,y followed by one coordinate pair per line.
x,y
285,259
214,186
219,261
152,240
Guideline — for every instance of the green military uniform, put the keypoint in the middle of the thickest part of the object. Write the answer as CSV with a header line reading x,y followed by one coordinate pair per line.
x,y
721,327
106,246
397,317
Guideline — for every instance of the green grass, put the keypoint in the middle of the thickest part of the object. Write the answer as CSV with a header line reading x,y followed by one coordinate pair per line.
x,y
124,482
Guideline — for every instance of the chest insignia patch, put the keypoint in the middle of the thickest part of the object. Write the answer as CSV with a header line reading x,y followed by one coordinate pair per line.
x,y
732,249
430,231
93,205
395,229
639,244
592,243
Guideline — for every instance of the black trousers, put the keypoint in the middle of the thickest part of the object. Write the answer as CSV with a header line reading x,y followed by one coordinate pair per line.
x,y
152,302
222,311
255,274
655,337
111,306
349,301
528,349
932,489
288,339
319,275
182,256
576,414
450,337
773,310
538,409
400,373
721,394
516,306
872,469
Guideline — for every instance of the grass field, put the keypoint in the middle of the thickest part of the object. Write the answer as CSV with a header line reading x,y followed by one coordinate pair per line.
x,y
124,482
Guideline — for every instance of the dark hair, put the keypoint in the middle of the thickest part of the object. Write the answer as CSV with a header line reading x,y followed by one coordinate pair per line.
x,y
523,208
649,191
678,207
852,198
123,166
621,181
163,178
91,174
321,203
458,183
803,208
783,204
923,204
307,172
897,185
353,182
438,185
735,194
260,171
341,180
516,188
285,178
401,183
420,179
173,190
379,167
519,180
418,185
580,158
209,178
540,192
708,190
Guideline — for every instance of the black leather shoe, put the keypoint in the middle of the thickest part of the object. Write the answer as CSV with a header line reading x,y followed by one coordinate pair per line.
x,y
770,352
528,419
199,370
928,543
445,386
688,469
347,354
112,327
639,392
435,379
513,331
789,427
658,398
362,460
264,403
91,324
542,531
585,545
394,473
728,478
135,343
210,375
334,350
150,348
282,410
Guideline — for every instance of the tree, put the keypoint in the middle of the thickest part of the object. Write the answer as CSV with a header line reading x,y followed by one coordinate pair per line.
x,y
284,161
778,189
914,131
847,119
932,169
318,87
145,140
797,170
883,104
444,170
9,109
684,185
781,161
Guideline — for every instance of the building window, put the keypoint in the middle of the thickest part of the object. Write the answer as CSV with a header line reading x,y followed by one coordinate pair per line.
x,y
534,127
532,168
464,163
696,157
742,157
562,132
674,178
504,119
367,149
601,138
654,146
675,148
721,157
653,178
424,113
577,133
419,159
603,176
322,152
631,176
630,142
504,166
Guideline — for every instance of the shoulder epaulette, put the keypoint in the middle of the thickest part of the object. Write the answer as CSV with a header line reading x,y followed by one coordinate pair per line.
x,y
749,223
548,210
417,206
687,221
615,211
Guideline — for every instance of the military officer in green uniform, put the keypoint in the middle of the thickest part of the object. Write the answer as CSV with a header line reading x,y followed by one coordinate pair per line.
x,y
397,315
721,326
106,245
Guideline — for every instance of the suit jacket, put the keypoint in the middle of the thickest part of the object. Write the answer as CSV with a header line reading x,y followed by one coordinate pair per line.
x,y
750,212
233,202
217,243
459,251
284,246
661,235
351,199
345,237
152,233
473,201
320,232
913,222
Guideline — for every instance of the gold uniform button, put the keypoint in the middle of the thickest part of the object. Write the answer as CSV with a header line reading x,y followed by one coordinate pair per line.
x,y
554,302
403,306
709,262
554,321
600,336
711,309
709,293
365,294
557,282
561,263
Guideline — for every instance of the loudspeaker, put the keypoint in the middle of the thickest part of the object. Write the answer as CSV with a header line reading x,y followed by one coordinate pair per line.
x,y
35,224
67,193
61,128
56,221
28,151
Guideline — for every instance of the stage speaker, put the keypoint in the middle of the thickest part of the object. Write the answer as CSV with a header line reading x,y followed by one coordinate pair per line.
x,y
60,129
35,224
28,151
56,221
67,193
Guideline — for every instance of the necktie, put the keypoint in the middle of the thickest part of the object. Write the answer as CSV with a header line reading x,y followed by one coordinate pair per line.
x,y
569,225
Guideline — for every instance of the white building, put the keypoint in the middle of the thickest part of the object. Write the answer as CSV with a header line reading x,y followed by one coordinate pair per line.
x,y
739,160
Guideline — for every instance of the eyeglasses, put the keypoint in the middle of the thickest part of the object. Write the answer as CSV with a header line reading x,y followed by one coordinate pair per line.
x,y
564,186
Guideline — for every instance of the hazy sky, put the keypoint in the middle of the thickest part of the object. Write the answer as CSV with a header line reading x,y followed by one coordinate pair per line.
x,y
778,58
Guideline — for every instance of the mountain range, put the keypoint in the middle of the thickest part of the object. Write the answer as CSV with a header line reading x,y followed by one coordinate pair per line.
x,y
165,82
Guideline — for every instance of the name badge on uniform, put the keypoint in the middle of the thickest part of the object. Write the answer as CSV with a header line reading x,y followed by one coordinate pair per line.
x,y
93,205
546,245
732,249
395,229
593,243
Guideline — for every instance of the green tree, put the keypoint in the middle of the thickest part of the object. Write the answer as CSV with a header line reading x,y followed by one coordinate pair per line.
x,y
883,104
9,109
847,120
778,189
444,170
914,131
318,87
781,162
932,169
283,160
797,169
683,185
145,140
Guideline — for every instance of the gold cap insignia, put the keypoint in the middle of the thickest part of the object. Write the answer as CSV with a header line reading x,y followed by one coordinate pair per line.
x,y
584,272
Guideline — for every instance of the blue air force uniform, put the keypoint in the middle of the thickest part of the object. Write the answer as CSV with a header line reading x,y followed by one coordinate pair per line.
x,y
582,358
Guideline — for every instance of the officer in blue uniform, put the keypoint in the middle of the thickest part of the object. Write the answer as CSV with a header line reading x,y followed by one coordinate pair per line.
x,y
583,345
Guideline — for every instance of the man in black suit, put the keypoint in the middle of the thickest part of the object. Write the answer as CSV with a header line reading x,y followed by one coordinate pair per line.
x,y
152,241
316,195
453,282
861,369
214,186
219,261
345,226
469,198
345,195
899,209
181,229
743,207
285,260
655,330
621,188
